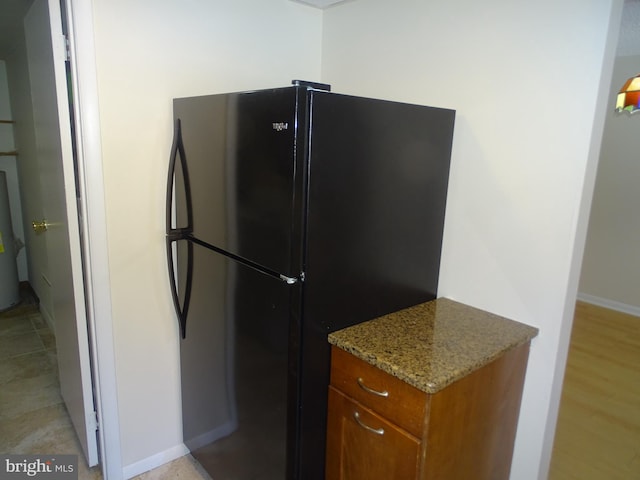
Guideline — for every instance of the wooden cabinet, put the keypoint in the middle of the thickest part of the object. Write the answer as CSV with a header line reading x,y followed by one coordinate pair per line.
x,y
366,445
381,428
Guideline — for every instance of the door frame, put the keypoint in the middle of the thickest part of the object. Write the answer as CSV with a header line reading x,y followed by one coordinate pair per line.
x,y
92,222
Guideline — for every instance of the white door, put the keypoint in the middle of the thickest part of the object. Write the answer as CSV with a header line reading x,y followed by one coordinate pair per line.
x,y
46,58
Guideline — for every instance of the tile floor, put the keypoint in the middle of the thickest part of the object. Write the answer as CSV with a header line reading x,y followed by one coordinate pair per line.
x,y
33,418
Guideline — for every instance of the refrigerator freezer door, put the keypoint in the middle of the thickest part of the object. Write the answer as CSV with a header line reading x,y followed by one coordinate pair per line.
x,y
241,162
234,367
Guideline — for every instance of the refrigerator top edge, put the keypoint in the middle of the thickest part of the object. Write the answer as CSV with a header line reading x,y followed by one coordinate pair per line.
x,y
296,84
383,101
315,88
312,85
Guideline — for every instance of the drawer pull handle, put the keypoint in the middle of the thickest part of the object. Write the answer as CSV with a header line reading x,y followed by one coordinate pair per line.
x,y
384,393
377,431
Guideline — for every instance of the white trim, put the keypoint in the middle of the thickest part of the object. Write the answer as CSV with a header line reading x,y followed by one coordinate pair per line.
x,y
78,389
47,318
610,304
154,461
579,229
159,459
211,436
83,66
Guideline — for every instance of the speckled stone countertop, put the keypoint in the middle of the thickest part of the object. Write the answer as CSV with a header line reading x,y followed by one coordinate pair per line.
x,y
433,344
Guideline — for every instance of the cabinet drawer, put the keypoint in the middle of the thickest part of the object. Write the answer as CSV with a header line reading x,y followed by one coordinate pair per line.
x,y
392,398
362,445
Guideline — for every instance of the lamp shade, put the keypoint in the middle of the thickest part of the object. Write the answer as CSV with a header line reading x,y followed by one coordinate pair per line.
x,y
629,96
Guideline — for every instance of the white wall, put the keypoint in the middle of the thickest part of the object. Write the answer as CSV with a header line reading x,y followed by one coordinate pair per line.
x,y
148,52
524,78
611,268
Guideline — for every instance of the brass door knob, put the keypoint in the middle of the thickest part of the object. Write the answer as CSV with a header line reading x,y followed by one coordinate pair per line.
x,y
40,227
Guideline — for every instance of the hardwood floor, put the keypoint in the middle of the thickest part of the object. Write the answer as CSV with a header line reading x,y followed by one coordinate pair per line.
x,y
598,432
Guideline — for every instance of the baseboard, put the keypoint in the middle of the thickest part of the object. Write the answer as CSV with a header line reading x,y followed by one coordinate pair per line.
x,y
48,319
610,304
211,436
154,461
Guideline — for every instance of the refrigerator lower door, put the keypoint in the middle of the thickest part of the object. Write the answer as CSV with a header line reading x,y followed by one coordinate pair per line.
x,y
234,368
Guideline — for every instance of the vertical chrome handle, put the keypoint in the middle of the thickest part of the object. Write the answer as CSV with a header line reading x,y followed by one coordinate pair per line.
x,y
383,393
175,234
181,310
377,431
178,155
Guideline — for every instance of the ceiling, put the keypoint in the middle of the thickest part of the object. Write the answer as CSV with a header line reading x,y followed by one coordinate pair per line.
x,y
12,12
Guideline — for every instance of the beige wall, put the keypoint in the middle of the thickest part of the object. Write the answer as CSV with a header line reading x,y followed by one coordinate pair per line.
x,y
147,53
521,179
524,78
611,267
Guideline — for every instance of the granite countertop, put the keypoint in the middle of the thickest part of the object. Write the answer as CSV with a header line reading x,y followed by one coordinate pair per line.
x,y
433,344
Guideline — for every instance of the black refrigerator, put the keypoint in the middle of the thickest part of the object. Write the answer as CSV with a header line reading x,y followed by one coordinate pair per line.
x,y
291,212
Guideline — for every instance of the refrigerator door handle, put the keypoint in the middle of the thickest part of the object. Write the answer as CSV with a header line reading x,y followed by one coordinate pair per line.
x,y
177,151
181,310
175,234
288,280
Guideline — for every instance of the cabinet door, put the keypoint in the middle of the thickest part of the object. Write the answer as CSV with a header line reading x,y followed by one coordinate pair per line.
x,y
363,445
